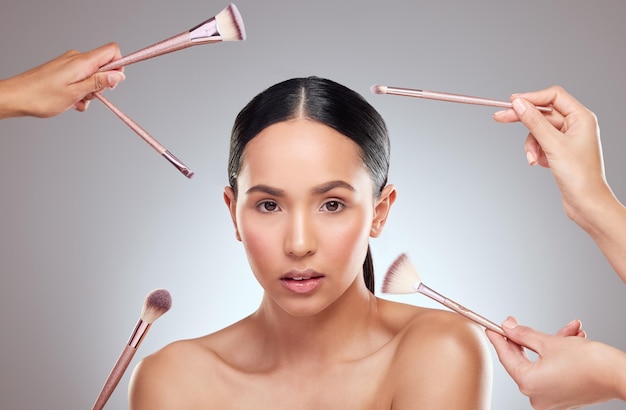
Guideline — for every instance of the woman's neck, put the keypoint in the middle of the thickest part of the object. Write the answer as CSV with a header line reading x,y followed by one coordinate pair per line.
x,y
347,329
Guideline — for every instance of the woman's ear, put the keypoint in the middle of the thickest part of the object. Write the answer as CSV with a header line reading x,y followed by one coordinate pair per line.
x,y
381,210
231,203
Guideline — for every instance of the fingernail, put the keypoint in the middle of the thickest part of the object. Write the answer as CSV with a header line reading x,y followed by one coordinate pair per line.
x,y
520,105
576,322
499,112
532,161
114,78
509,323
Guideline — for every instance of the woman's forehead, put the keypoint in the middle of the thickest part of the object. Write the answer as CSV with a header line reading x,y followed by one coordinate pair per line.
x,y
294,148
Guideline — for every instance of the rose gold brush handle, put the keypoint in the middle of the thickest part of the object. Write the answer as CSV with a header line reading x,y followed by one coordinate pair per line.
x,y
425,290
122,363
435,95
114,377
184,169
204,33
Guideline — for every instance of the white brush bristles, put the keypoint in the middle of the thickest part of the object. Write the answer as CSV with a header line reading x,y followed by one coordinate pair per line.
x,y
156,304
230,25
379,89
401,277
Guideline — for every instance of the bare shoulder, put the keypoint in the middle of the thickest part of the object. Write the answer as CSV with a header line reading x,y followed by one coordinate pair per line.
x,y
442,359
162,379
184,374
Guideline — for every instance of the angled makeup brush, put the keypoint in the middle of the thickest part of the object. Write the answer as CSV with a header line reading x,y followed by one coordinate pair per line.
x,y
227,25
435,95
155,305
402,278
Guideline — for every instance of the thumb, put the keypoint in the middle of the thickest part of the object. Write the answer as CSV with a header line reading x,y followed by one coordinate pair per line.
x,y
535,121
99,81
524,335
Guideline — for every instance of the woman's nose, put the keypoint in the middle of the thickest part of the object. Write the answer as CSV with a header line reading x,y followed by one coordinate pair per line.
x,y
300,239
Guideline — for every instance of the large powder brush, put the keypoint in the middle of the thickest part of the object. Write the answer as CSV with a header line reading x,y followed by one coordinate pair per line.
x,y
155,305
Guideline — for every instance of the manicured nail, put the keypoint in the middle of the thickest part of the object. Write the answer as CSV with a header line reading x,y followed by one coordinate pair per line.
x,y
509,323
114,78
520,105
532,161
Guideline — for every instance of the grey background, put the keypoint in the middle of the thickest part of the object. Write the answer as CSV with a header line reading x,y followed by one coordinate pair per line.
x,y
92,219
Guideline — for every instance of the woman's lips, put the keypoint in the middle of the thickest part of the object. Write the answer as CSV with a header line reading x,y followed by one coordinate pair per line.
x,y
302,282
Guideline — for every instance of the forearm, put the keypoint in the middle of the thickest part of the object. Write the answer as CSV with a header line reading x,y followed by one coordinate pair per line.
x,y
609,374
604,219
8,99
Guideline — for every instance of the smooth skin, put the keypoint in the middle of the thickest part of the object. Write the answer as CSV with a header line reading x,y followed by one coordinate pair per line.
x,y
68,81
570,371
306,206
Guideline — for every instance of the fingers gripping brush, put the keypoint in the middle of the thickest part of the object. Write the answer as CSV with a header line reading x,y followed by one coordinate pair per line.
x,y
155,305
402,278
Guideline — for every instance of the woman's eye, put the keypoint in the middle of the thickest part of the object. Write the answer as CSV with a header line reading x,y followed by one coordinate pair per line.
x,y
268,206
332,206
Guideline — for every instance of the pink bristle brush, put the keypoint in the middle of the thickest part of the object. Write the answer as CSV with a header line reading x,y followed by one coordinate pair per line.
x,y
403,278
155,305
227,25
436,95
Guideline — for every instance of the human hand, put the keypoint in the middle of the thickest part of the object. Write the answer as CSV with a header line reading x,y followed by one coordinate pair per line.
x,y
59,84
567,140
569,371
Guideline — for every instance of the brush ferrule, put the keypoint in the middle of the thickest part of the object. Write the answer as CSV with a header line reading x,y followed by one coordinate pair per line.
x,y
425,290
178,164
205,32
140,331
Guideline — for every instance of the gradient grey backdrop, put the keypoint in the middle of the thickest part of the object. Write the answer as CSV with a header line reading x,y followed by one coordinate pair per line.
x,y
92,218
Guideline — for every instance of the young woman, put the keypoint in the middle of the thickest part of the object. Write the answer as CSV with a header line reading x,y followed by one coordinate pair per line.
x,y
308,188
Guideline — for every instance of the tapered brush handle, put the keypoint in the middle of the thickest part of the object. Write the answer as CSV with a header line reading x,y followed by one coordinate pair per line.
x,y
204,33
458,98
473,316
115,376
184,169
132,124
425,290
175,43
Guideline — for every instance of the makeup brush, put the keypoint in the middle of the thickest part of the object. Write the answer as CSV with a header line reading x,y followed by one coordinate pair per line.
x,y
155,305
184,169
402,278
227,25
435,95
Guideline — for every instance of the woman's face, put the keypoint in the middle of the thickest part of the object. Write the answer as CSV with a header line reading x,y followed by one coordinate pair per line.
x,y
305,211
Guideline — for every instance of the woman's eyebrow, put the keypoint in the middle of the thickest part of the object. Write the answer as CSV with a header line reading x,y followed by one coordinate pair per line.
x,y
327,186
266,189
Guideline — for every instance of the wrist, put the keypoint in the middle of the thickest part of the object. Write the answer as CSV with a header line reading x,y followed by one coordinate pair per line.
x,y
620,375
9,101
591,210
